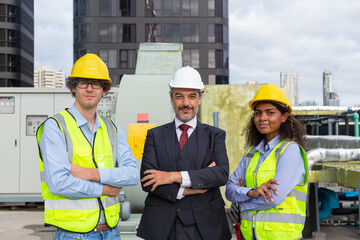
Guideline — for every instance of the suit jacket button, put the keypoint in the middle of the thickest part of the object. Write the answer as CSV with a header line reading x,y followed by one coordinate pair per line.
x,y
169,196
178,209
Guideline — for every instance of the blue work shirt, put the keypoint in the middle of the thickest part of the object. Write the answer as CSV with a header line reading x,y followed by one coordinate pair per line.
x,y
57,166
290,171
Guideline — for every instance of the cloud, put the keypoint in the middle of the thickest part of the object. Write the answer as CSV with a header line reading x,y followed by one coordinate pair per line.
x,y
309,37
54,34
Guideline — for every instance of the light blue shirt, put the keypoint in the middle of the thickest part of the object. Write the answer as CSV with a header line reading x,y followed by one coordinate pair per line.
x,y
57,166
290,171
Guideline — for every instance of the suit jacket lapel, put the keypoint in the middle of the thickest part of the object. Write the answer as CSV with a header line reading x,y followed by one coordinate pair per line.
x,y
203,140
169,136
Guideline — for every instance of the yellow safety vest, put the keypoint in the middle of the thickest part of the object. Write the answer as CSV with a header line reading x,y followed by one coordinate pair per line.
x,y
285,221
81,215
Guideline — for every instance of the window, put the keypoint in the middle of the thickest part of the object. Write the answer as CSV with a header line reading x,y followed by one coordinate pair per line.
x,y
109,56
3,63
222,79
171,8
190,32
225,59
79,54
211,32
218,8
191,57
84,7
127,8
190,8
76,35
225,9
84,32
172,33
219,33
215,8
153,8
107,7
217,58
107,32
211,58
211,8
127,58
153,32
127,32
226,33
212,80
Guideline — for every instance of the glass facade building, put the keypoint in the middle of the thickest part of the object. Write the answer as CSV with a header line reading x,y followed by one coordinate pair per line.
x,y
113,29
16,43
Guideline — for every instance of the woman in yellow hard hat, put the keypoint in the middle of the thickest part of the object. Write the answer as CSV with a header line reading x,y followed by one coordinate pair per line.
x,y
271,179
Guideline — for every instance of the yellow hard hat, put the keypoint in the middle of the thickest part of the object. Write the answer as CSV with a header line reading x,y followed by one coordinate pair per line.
x,y
273,93
90,66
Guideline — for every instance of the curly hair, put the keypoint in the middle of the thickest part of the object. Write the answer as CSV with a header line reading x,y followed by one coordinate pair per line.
x,y
71,84
291,129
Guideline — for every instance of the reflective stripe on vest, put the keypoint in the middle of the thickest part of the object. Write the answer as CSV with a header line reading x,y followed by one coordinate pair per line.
x,y
80,204
286,220
81,215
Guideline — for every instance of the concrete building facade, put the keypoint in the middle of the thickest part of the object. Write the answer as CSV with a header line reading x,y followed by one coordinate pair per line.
x,y
113,29
289,81
16,43
330,96
46,77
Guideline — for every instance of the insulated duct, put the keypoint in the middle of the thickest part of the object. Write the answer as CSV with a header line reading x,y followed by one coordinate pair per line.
x,y
332,155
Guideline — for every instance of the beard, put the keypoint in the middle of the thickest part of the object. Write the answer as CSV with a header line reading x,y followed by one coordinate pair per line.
x,y
185,118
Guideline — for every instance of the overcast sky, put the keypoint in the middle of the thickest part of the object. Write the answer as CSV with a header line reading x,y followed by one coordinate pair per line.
x,y
266,37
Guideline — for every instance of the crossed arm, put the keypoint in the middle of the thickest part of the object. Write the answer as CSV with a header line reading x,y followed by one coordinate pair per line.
x,y
75,182
93,174
157,177
165,183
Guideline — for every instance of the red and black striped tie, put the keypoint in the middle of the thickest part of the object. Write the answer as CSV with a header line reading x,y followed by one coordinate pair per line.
x,y
184,135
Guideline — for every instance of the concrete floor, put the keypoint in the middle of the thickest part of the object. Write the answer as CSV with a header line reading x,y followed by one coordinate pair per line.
x,y
28,224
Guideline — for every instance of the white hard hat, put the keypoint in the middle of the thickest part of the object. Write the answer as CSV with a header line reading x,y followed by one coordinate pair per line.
x,y
186,77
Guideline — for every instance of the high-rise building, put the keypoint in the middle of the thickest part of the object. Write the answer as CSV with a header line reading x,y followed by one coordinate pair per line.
x,y
289,81
330,96
46,77
16,43
113,29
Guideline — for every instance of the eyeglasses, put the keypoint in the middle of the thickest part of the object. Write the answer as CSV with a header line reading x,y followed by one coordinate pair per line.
x,y
94,85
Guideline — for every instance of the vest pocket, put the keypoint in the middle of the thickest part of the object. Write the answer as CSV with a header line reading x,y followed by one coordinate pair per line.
x,y
104,160
83,157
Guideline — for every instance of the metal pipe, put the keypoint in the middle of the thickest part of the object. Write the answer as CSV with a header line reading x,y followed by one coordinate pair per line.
x,y
332,155
216,118
332,142
355,116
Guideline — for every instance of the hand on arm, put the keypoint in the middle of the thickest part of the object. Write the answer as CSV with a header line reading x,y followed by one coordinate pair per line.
x,y
89,174
157,177
263,190
111,191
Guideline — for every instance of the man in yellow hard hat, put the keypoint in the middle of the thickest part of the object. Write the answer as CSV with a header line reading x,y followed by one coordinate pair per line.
x,y
84,160
183,166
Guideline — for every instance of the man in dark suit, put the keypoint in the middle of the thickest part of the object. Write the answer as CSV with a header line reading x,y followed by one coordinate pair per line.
x,y
183,165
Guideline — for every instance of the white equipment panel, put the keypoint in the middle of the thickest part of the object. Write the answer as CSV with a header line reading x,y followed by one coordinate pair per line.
x,y
7,104
33,122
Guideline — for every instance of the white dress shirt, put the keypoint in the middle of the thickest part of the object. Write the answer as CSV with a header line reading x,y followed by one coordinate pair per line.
x,y
186,182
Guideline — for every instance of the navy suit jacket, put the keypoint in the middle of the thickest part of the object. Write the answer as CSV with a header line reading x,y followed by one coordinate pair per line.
x,y
161,205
